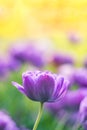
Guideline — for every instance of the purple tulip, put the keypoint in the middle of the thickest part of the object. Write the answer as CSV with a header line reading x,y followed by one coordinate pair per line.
x,y
6,123
42,86
80,77
60,59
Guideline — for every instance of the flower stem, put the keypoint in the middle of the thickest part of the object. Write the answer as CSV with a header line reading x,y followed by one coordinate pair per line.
x,y
38,117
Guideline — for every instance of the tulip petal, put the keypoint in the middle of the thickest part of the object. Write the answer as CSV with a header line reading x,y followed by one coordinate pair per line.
x,y
45,87
18,86
58,86
29,87
64,89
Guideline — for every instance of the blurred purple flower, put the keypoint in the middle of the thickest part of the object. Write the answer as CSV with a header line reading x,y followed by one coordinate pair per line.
x,y
27,54
35,57
6,123
13,65
42,86
59,59
74,38
83,110
18,52
73,98
82,118
70,102
69,106
80,77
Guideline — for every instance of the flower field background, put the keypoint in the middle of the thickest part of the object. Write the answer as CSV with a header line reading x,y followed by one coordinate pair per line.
x,y
44,35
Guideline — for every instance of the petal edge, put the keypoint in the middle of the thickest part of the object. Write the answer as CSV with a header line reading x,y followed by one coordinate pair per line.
x,y
18,86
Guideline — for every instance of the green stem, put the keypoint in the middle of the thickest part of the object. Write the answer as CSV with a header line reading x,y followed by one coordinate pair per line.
x,y
38,117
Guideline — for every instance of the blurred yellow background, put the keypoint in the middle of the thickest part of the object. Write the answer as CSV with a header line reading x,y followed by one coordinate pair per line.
x,y
52,19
